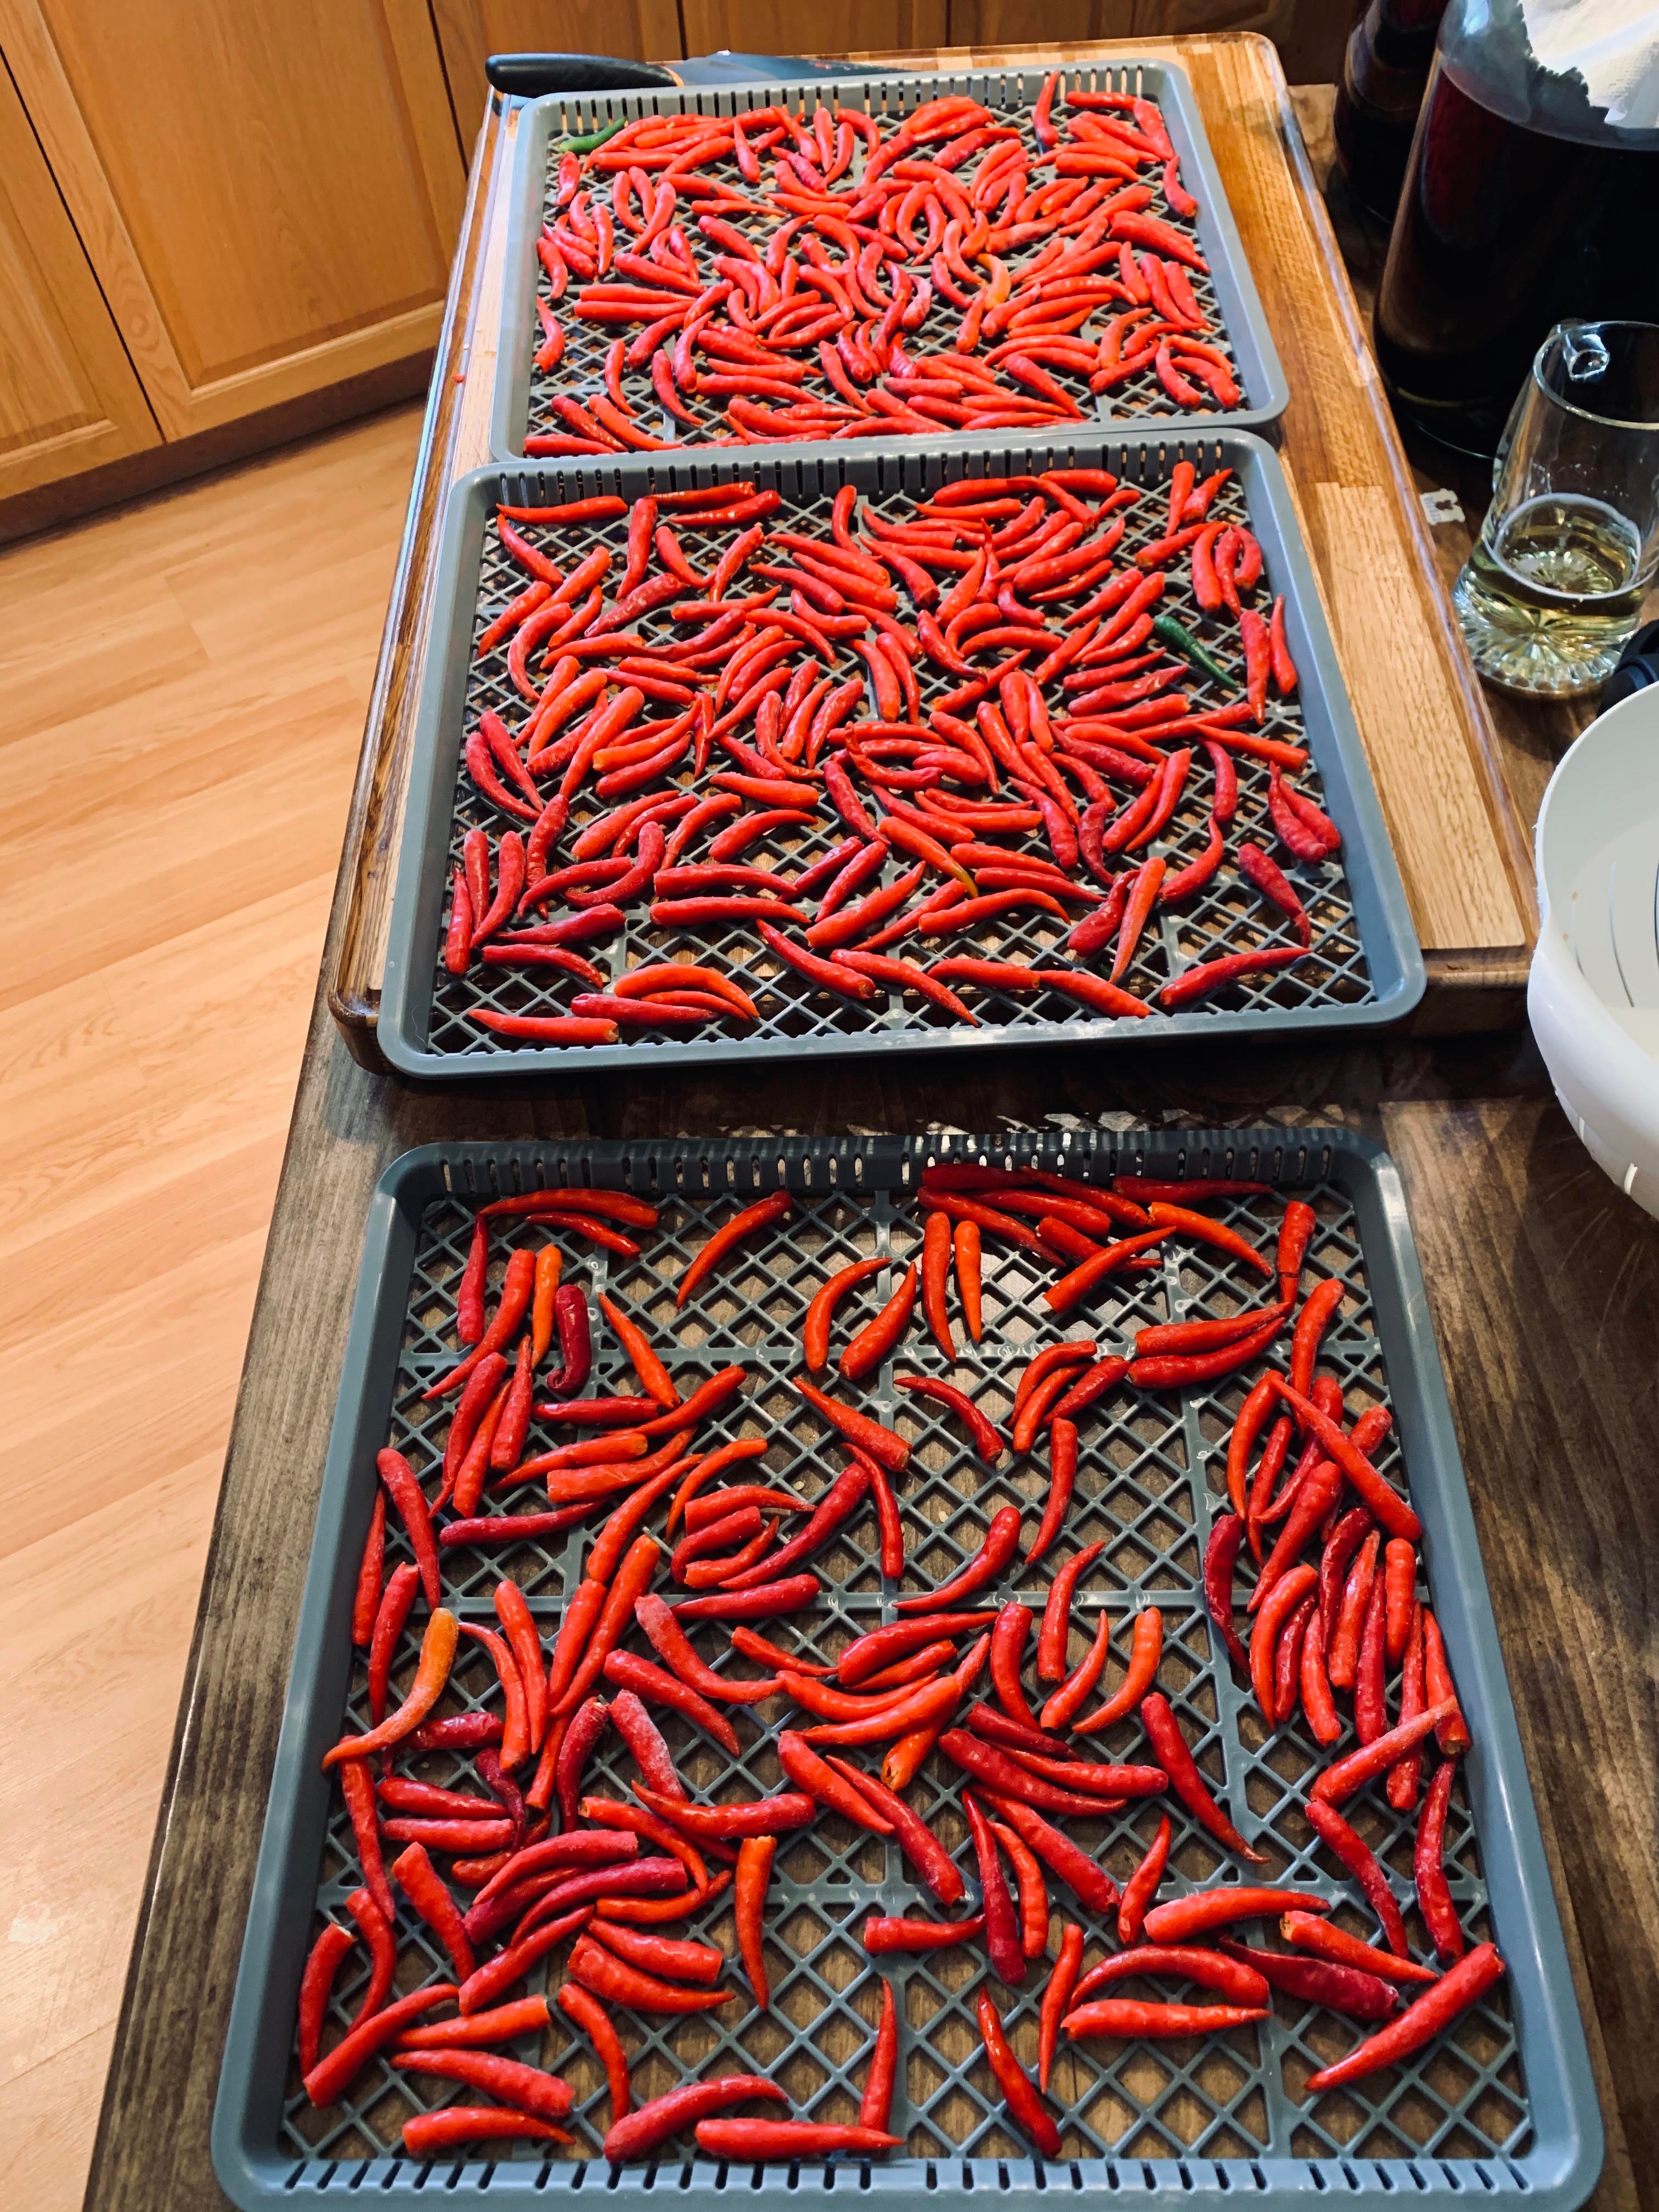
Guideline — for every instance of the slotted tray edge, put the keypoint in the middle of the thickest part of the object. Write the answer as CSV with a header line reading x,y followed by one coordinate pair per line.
x,y
1387,935
1246,320
1557,2173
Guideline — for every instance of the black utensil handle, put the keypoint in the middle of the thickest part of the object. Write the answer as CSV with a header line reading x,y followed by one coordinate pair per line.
x,y
529,76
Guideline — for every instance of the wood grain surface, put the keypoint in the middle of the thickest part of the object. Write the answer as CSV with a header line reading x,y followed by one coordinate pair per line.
x,y
1460,843
171,837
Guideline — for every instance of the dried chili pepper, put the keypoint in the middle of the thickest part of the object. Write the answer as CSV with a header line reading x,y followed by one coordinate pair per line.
x,y
665,2116
876,2106
1170,1748
1434,1897
1025,2106
1460,1987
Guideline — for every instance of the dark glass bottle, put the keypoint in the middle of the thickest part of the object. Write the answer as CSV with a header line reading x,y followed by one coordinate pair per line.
x,y
1525,202
1384,71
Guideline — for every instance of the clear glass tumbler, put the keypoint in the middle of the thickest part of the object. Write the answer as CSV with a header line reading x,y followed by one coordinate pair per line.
x,y
1571,543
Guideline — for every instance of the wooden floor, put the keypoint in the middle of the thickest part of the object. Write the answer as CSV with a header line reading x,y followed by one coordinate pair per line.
x,y
183,685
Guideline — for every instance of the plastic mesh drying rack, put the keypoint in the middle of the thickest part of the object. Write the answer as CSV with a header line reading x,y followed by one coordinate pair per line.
x,y
1365,968
1505,2105
1227,293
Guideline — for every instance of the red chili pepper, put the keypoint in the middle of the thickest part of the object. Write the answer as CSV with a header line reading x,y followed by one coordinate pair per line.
x,y
1384,1501
1130,2019
1001,1930
1228,1978
1056,1632
1369,1707
988,1444
1025,2106
605,1975
1068,1700
316,1986
1434,1897
881,1443
1170,1748
701,1963
1286,1594
525,2088
883,1935
1329,1941
1341,1545
1221,1560
935,1277
366,1601
1008,1640
965,1245
1457,1989
1338,1782
523,2017
764,2141
1342,1655
876,1339
1452,1734
1142,1886
426,2135
1356,1856
1147,1648
1091,1883
517,1287
916,1840
764,1603
762,1816
1001,1542
632,1581
419,1879
1319,1490
815,1331
1287,1658
750,1222
586,2012
683,2108
334,2074
1317,1981
1406,1776
876,2106
431,1672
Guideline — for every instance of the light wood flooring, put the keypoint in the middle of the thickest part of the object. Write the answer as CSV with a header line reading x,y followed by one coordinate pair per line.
x,y
183,684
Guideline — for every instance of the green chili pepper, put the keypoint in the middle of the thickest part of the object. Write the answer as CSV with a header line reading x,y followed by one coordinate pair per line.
x,y
1166,628
592,139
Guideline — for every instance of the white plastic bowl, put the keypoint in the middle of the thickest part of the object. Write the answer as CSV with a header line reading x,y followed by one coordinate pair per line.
x,y
1594,991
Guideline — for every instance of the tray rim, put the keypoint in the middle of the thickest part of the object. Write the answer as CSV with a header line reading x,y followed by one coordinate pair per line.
x,y
1218,228
1556,2172
417,905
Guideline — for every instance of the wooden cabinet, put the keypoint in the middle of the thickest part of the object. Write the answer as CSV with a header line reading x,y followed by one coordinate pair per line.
x,y
69,398
471,30
838,26
1038,22
268,195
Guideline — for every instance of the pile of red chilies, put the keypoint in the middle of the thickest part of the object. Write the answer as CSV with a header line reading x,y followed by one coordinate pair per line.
x,y
821,329
740,682
607,1876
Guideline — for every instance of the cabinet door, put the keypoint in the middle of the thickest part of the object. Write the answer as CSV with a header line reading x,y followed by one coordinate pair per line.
x,y
1050,22
69,399
471,30
838,26
269,195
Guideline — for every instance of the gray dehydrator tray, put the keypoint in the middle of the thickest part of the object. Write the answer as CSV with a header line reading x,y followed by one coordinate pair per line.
x,y
1229,290
1367,969
1505,2105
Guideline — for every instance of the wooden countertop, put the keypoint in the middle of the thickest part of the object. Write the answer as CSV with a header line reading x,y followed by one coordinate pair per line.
x,y
1544,1283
